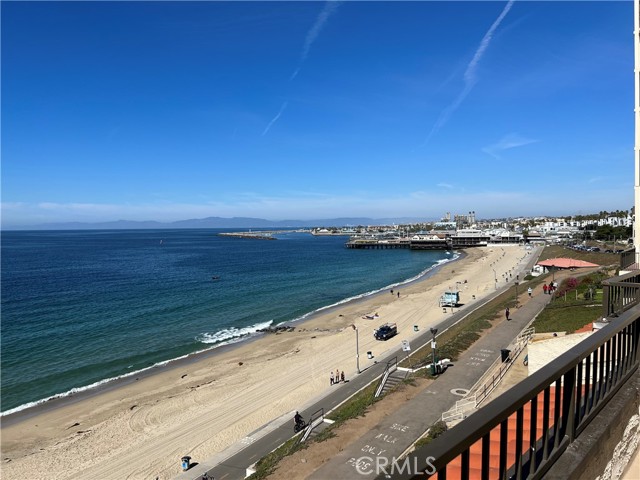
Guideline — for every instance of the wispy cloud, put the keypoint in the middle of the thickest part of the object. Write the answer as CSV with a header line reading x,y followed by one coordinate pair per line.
x,y
275,119
470,74
511,140
444,185
329,8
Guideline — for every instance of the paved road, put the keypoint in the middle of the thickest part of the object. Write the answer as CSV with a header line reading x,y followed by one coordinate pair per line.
x,y
398,431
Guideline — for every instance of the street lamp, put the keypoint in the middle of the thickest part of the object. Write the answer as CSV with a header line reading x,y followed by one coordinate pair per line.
x,y
433,347
495,278
357,349
517,292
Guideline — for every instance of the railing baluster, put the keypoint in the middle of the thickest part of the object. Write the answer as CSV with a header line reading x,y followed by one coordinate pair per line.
x,y
607,368
486,455
601,350
578,412
504,433
606,298
568,404
464,474
556,413
442,474
519,439
635,329
617,373
628,347
594,379
533,435
545,423
587,383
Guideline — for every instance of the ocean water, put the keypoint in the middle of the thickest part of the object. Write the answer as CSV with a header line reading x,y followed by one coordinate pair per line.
x,y
81,307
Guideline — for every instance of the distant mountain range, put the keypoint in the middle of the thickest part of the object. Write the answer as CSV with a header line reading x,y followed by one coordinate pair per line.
x,y
219,222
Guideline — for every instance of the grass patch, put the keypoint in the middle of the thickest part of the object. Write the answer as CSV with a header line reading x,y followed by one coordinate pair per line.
x,y
566,319
267,464
576,303
356,406
434,432
599,258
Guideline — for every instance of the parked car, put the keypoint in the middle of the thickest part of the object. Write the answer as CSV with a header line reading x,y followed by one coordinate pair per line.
x,y
386,331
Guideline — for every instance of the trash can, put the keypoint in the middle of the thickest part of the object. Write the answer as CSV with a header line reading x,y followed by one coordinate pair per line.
x,y
369,355
186,463
436,369
415,328
504,353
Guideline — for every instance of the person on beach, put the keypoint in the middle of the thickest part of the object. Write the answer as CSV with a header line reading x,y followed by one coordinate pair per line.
x,y
331,377
529,291
506,313
342,376
337,376
545,288
392,291
398,294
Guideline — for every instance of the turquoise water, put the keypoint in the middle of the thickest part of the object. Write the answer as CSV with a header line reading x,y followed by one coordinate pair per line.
x,y
80,307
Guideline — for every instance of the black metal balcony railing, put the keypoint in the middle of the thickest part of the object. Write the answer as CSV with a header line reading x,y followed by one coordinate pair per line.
x,y
560,400
627,258
620,294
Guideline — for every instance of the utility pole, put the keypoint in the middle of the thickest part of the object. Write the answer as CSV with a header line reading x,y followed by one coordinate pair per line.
x,y
433,347
357,349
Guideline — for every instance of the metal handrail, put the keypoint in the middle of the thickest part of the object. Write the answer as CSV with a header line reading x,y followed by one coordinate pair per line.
x,y
585,378
392,366
316,419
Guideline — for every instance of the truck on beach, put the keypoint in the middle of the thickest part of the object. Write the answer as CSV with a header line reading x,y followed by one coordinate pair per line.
x,y
385,331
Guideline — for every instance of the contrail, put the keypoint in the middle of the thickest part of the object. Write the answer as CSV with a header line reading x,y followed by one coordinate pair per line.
x,y
329,7
469,74
274,119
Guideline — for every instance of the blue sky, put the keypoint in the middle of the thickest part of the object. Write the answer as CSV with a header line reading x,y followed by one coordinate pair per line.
x,y
308,110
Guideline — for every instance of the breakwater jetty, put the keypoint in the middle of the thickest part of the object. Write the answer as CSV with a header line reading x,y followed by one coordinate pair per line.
x,y
251,235
260,234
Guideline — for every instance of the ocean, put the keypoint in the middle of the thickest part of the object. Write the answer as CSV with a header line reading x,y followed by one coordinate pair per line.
x,y
82,307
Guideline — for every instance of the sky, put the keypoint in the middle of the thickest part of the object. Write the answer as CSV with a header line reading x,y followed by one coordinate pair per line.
x,y
311,110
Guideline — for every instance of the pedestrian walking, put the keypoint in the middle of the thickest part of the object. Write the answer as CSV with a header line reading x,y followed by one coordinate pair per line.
x,y
342,376
337,376
529,291
398,294
545,288
331,377
506,313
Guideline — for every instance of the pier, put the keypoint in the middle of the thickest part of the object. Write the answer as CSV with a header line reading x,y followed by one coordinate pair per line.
x,y
377,244
412,244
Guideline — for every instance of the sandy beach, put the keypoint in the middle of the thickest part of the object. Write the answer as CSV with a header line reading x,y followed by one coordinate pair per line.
x,y
199,408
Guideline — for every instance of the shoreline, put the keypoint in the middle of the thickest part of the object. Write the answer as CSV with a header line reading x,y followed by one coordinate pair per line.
x,y
211,402
64,399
